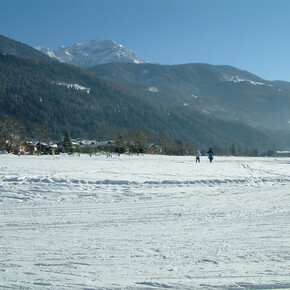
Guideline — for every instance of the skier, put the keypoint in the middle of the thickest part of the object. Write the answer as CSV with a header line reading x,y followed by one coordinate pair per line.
x,y
197,156
210,155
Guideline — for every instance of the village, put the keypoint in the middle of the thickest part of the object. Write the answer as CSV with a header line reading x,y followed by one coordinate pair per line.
x,y
90,147
78,146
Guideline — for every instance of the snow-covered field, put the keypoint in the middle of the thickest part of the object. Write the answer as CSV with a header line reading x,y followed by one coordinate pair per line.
x,y
144,222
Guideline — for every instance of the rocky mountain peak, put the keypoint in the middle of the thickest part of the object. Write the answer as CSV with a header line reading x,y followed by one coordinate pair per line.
x,y
93,53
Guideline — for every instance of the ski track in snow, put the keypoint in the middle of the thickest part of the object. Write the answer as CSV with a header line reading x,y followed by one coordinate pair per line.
x,y
144,222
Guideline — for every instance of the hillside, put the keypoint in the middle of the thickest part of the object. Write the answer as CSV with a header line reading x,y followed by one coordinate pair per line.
x,y
64,97
222,92
10,46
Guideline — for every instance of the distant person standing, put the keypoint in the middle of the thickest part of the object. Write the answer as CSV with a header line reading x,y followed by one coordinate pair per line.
x,y
210,155
197,156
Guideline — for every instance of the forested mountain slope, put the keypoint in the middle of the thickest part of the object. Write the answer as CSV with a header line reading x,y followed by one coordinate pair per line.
x,y
222,92
64,97
10,46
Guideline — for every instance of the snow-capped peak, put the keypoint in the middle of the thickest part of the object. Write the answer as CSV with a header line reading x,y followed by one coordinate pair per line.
x,y
48,52
93,53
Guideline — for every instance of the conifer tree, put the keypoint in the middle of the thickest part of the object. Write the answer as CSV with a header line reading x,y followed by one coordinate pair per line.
x,y
120,143
67,143
137,141
140,141
233,150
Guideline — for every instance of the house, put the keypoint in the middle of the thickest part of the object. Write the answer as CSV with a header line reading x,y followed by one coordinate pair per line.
x,y
154,149
88,148
33,146
27,146
94,146
282,153
51,149
23,146
107,146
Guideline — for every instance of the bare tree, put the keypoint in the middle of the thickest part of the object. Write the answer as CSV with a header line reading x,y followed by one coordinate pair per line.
x,y
41,133
167,144
11,132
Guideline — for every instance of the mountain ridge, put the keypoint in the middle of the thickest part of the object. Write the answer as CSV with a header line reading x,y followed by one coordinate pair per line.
x,y
93,53
227,92
13,47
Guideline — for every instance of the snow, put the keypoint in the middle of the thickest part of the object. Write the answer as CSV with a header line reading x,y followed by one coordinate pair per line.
x,y
73,86
193,96
153,89
93,53
48,52
237,79
145,222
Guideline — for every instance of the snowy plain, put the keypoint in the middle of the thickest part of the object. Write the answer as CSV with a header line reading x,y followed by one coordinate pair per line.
x,y
144,222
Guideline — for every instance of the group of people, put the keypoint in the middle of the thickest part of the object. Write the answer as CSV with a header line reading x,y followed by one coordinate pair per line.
x,y
198,154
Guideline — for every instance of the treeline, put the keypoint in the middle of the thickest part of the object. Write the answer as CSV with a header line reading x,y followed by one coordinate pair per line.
x,y
233,150
135,141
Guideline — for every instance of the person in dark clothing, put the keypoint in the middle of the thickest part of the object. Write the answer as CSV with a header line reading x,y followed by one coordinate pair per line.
x,y
210,155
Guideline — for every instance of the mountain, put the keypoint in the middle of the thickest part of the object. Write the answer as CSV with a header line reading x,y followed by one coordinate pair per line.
x,y
9,46
221,92
64,97
93,53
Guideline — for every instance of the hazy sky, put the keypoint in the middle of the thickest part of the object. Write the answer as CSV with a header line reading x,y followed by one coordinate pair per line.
x,y
253,35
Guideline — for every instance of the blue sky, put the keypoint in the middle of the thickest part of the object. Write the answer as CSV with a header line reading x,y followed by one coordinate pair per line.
x,y
252,35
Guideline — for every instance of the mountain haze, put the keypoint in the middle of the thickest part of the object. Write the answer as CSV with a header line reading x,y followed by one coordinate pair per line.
x,y
222,92
64,97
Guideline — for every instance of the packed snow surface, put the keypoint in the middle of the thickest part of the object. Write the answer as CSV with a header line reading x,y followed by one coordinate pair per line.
x,y
145,222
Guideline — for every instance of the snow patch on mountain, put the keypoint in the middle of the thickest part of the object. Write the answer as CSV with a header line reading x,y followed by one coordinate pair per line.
x,y
93,53
73,86
48,52
237,79
153,89
193,96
